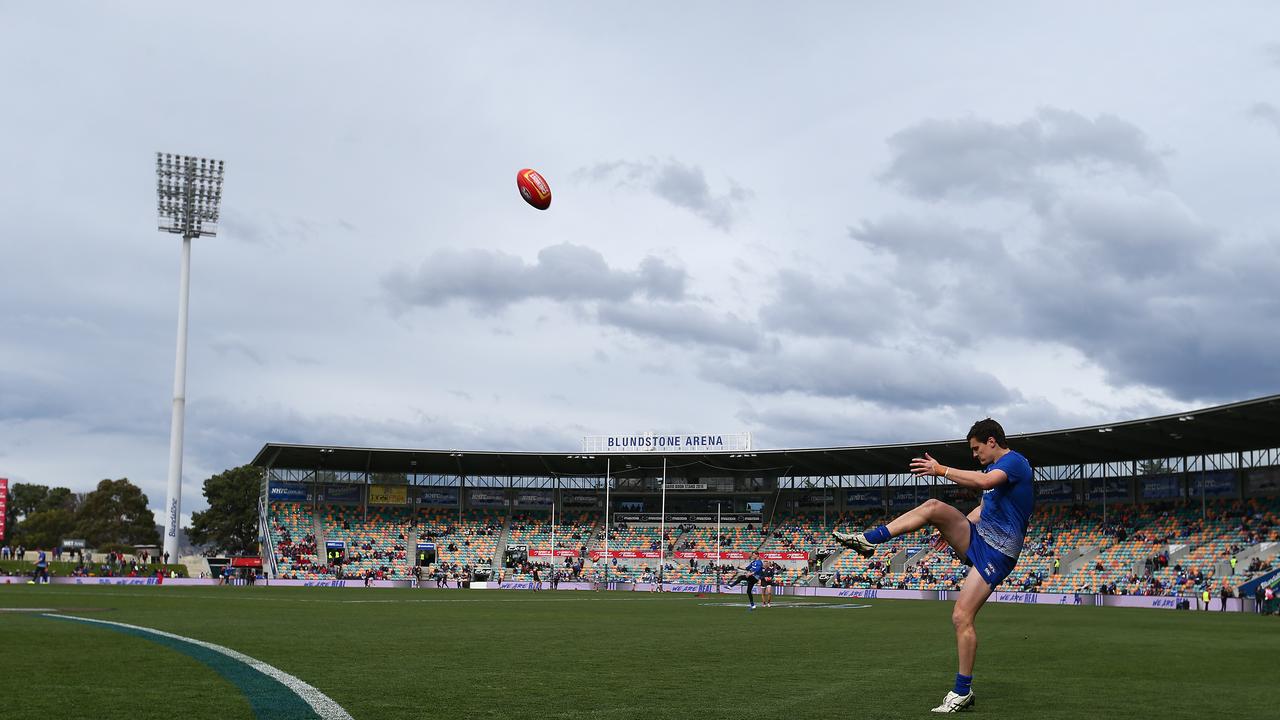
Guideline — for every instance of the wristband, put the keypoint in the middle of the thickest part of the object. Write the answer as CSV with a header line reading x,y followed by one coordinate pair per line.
x,y
945,470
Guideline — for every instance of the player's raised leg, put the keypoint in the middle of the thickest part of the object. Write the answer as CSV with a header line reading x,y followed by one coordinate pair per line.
x,y
950,522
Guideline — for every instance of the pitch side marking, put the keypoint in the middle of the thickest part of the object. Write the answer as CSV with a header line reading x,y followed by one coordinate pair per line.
x,y
323,706
822,606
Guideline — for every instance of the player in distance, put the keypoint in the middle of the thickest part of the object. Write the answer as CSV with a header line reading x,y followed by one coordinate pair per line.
x,y
989,539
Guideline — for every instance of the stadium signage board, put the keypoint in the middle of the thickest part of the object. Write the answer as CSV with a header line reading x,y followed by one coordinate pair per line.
x,y
438,496
288,491
865,498
1113,489
340,493
553,553
388,494
627,554
739,555
580,500
667,442
486,498
1163,487
1216,483
73,544
4,503
534,498
1264,481
1061,491
686,517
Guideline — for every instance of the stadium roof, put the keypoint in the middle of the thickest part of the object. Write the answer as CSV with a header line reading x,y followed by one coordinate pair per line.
x,y
1237,427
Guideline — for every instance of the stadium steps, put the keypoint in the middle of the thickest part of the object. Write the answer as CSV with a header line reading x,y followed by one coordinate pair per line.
x,y
500,554
317,524
1087,555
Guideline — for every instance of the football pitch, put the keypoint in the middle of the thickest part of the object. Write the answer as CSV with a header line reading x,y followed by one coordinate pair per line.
x,y
503,654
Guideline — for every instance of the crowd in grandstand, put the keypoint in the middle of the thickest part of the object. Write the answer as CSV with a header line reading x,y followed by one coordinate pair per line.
x,y
1132,549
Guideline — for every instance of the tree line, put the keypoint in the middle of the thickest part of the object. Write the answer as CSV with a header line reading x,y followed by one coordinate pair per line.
x,y
115,516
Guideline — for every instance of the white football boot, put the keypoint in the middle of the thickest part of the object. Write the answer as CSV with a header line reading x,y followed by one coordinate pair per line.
x,y
955,703
856,542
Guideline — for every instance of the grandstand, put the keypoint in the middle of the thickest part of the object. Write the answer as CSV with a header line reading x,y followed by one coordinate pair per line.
x,y
1152,507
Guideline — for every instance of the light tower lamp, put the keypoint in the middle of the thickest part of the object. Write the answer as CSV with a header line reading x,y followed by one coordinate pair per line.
x,y
189,190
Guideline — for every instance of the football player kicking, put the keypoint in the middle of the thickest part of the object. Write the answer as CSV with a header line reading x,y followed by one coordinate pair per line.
x,y
989,539
752,573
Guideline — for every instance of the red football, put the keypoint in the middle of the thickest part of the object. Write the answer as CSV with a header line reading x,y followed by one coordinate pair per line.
x,y
534,188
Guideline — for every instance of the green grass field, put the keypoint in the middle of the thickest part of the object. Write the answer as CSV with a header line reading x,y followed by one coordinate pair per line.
x,y
495,654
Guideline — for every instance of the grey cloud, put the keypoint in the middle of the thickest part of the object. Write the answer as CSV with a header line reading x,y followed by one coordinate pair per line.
x,y
856,308
1136,236
1273,53
684,186
979,159
1267,113
908,379
682,324
917,240
230,345
491,280
800,426
222,434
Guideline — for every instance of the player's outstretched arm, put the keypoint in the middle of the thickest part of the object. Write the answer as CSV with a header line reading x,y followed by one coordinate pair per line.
x,y
964,478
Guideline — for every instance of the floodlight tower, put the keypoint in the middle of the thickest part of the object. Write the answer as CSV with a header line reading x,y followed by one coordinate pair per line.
x,y
189,190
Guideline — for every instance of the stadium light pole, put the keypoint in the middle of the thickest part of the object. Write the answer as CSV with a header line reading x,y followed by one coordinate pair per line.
x,y
188,193
662,530
607,467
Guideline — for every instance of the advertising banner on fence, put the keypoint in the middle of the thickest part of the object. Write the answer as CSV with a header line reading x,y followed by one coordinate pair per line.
x,y
952,494
913,495
4,503
1216,483
1112,489
1055,491
340,493
1264,481
388,494
280,491
534,498
1160,487
703,518
578,500
438,496
559,552
477,497
738,555
873,497
627,554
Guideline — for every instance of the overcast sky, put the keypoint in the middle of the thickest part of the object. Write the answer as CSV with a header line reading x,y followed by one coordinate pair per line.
x,y
829,226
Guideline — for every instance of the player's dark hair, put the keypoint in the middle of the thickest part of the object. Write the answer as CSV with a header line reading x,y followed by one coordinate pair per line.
x,y
987,428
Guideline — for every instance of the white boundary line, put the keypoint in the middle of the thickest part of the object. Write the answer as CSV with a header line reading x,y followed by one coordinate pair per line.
x,y
324,705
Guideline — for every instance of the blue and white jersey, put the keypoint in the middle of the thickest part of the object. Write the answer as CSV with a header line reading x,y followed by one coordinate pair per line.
x,y
1006,508
755,567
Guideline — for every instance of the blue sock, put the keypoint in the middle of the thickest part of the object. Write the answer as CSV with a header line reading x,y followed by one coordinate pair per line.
x,y
877,534
963,683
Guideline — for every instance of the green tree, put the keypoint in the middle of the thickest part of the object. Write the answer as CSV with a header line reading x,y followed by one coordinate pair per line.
x,y
116,514
45,529
230,525
24,498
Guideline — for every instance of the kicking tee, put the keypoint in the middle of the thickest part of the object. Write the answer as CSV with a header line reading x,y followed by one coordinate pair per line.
x,y
1006,508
